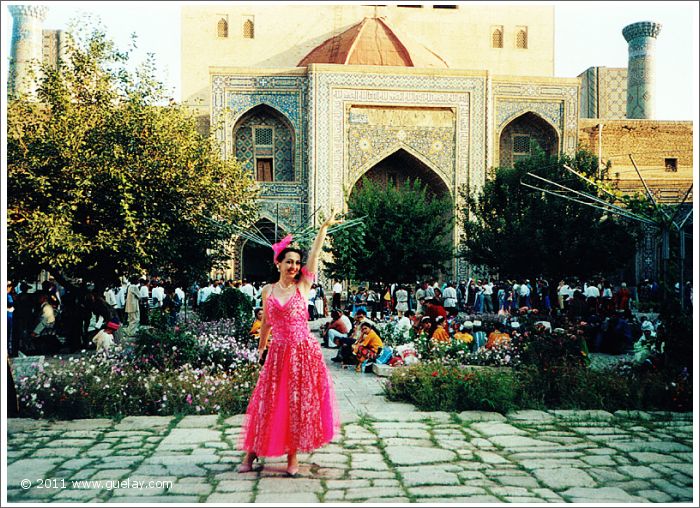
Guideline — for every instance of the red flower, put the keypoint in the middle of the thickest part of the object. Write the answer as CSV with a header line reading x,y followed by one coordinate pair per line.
x,y
434,373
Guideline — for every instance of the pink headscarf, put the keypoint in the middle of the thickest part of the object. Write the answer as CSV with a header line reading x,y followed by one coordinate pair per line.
x,y
280,246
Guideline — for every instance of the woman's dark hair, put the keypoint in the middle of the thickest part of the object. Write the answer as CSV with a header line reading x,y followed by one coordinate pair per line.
x,y
284,252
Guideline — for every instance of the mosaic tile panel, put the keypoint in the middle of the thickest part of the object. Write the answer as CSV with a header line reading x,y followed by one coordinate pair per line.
x,y
233,96
281,153
329,92
368,145
556,103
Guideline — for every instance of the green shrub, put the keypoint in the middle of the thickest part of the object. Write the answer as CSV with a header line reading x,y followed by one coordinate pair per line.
x,y
435,387
231,303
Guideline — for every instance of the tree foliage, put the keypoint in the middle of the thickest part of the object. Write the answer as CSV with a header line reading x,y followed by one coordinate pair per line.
x,y
105,177
514,230
405,234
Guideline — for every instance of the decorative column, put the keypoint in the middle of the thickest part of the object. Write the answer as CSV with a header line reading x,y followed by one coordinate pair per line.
x,y
641,38
26,52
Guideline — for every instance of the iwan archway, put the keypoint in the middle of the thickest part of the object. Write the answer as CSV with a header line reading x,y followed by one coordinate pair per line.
x,y
401,166
519,137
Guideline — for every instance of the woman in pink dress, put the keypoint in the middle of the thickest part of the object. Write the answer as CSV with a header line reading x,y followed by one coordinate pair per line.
x,y
293,406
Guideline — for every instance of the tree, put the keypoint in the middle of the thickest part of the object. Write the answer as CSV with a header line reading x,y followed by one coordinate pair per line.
x,y
105,177
514,230
404,236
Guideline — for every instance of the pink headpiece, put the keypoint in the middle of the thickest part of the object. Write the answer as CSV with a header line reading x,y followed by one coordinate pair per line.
x,y
280,246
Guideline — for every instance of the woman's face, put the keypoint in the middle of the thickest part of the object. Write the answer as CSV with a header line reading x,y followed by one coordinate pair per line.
x,y
291,264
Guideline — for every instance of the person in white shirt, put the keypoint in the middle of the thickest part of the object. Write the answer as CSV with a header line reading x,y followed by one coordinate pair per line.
x,y
157,295
180,294
563,293
110,297
337,291
216,287
311,297
405,323
401,300
204,293
248,290
449,298
120,301
144,295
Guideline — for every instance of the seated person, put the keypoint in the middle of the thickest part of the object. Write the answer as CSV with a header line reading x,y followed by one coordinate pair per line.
x,y
464,334
497,338
405,323
367,348
338,328
255,328
345,353
440,335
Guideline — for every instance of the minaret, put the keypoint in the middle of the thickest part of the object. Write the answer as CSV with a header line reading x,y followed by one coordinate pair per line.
x,y
27,42
641,38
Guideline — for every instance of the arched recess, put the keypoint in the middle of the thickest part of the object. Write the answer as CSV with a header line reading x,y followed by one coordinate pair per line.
x,y
399,165
515,139
255,261
263,135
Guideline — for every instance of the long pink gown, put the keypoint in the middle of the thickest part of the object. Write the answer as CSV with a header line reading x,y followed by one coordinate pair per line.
x,y
293,406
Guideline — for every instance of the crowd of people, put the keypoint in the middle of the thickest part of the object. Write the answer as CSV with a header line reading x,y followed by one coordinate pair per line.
x,y
486,313
48,318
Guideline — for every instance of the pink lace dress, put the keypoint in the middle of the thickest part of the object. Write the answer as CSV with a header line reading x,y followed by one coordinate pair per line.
x,y
293,405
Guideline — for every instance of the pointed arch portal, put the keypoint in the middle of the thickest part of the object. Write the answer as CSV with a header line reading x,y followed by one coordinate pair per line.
x,y
517,137
401,166
256,260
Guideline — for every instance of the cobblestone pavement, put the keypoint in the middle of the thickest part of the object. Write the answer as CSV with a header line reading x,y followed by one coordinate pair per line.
x,y
387,452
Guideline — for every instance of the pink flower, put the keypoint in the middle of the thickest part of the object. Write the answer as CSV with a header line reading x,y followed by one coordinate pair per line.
x,y
189,399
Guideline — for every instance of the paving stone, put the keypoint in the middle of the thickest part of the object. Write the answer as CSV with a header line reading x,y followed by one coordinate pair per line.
x,y
530,415
631,485
527,482
403,433
599,460
491,458
141,500
456,490
481,416
655,496
639,472
75,495
652,458
677,493
201,489
520,442
198,422
606,474
531,464
561,478
402,455
586,415
600,494
497,429
30,469
459,499
235,485
187,436
547,494
429,477
650,446
395,500
296,497
367,492
635,415
368,474
522,499
143,422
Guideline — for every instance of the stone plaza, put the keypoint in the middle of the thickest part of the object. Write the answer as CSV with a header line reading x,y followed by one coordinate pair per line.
x,y
386,453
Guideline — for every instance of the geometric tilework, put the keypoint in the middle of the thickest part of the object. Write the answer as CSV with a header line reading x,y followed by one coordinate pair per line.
x,y
556,103
332,92
281,150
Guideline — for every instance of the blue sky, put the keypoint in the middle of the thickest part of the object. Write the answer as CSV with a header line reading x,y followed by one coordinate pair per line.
x,y
586,34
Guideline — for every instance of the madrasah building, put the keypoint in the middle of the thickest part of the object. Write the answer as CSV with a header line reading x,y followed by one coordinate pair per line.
x,y
311,98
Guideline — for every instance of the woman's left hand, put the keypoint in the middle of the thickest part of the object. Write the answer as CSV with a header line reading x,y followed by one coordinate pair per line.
x,y
331,220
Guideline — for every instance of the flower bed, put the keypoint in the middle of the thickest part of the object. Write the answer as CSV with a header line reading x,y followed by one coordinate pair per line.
x,y
197,368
